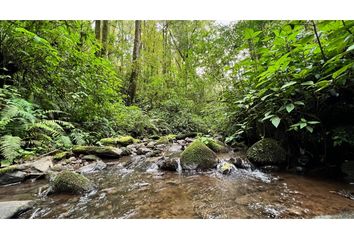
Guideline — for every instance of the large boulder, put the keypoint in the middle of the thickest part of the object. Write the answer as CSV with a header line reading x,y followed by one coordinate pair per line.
x,y
266,152
103,152
198,156
70,182
12,209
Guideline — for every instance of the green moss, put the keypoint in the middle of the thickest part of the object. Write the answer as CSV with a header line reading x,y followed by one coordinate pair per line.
x,y
166,139
61,155
216,145
71,182
122,141
9,169
226,168
198,156
266,152
104,152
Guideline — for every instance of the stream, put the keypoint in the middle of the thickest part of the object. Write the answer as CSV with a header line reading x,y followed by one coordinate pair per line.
x,y
143,191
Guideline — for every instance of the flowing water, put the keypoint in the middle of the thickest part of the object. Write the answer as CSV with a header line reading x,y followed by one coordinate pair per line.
x,y
142,191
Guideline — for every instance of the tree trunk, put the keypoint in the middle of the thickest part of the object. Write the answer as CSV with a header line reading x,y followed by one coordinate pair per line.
x,y
135,64
98,29
105,32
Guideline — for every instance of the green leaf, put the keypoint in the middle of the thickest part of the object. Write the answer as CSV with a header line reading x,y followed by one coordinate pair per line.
x,y
302,125
341,70
308,83
288,84
350,48
290,107
310,129
275,121
299,103
313,122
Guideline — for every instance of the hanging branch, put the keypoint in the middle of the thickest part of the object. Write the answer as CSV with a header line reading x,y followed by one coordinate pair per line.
x,y
318,40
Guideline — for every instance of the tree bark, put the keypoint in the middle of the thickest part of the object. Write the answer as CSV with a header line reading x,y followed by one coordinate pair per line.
x,y
105,32
98,29
135,64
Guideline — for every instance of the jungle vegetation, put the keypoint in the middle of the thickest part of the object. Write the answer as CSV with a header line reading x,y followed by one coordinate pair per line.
x,y
65,83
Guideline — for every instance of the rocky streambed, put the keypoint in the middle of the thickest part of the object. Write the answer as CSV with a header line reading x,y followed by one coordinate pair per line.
x,y
153,179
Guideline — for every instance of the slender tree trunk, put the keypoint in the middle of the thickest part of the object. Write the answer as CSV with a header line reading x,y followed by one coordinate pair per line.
x,y
105,32
98,29
98,34
135,64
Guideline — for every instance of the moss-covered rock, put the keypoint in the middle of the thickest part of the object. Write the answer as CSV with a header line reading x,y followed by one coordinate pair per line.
x,y
266,152
166,139
71,182
61,155
226,168
103,152
9,169
198,156
217,146
121,141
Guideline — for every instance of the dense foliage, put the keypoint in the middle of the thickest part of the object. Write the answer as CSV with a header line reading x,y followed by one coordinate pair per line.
x,y
75,82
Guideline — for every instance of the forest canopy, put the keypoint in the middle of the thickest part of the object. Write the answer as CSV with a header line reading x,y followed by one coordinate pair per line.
x,y
65,83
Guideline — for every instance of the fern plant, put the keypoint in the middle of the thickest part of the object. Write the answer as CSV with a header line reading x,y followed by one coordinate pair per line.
x,y
10,147
23,125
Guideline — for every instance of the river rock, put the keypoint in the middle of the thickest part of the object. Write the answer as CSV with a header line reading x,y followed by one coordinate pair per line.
x,y
181,142
269,168
185,135
153,153
93,167
151,144
103,152
347,168
143,150
168,164
61,155
70,182
160,147
12,177
217,146
118,141
198,156
242,163
12,209
175,147
266,152
91,158
226,168
43,165
189,140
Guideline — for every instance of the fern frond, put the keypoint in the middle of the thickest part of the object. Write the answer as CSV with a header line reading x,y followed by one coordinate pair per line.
x,y
47,126
10,147
64,123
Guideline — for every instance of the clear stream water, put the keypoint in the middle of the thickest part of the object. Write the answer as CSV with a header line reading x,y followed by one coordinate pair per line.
x,y
129,193
130,188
